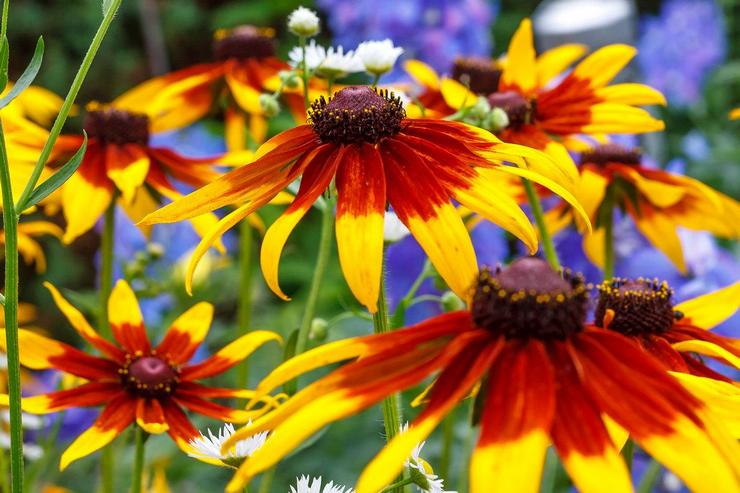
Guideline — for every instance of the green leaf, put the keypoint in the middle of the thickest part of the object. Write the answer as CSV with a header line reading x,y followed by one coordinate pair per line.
x,y
289,351
26,79
4,57
57,179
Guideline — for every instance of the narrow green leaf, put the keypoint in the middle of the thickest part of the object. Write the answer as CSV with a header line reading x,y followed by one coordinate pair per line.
x,y
4,57
106,5
26,79
57,179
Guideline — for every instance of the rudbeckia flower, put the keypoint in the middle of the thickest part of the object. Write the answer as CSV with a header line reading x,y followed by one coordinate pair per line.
x,y
28,246
244,60
361,140
657,201
542,111
120,162
134,381
642,310
545,377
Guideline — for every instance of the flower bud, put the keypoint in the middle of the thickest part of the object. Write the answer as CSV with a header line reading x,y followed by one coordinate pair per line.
x,y
269,105
452,302
319,330
289,79
303,22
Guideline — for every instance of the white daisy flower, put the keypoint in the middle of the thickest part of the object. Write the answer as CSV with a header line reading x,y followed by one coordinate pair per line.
x,y
421,472
378,57
326,63
303,22
308,485
208,448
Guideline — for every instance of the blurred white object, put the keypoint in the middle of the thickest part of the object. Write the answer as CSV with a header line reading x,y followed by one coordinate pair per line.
x,y
303,22
378,57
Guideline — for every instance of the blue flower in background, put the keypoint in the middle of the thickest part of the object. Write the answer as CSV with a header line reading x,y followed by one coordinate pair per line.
x,y
434,31
680,47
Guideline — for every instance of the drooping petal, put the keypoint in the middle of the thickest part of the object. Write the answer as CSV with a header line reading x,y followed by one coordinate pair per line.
x,y
453,384
520,70
707,348
711,309
723,398
186,333
231,354
361,200
78,321
86,195
116,416
246,96
150,416
422,73
126,321
516,420
127,166
179,426
630,93
317,176
661,232
89,394
41,353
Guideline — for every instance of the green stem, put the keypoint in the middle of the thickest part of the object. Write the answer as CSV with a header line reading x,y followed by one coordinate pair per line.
x,y
376,79
56,129
448,437
647,483
4,484
138,473
266,481
397,484
4,27
329,86
628,452
607,220
391,405
304,70
106,285
539,218
245,294
322,259
10,221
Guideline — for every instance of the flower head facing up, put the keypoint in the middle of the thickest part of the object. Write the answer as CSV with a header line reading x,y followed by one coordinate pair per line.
x,y
208,448
479,74
530,390
133,380
641,306
378,57
114,126
303,22
243,43
356,115
361,141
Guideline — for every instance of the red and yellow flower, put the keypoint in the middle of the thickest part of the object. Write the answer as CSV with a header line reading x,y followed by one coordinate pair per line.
x,y
545,377
657,201
361,140
134,381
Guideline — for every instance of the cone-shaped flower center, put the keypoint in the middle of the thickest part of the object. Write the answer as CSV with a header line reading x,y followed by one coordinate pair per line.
x,y
357,114
612,153
114,126
243,42
481,75
519,109
639,306
529,299
149,376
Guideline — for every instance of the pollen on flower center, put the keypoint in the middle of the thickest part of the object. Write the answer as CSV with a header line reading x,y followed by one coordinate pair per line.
x,y
115,126
149,376
481,75
519,109
529,299
612,153
357,114
638,307
243,42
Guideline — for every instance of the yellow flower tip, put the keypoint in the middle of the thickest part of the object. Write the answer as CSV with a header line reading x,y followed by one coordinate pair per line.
x,y
153,428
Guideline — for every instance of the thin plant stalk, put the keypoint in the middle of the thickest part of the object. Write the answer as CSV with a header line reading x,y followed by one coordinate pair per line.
x,y
607,221
138,473
4,476
539,217
448,438
304,70
322,259
266,481
10,221
244,310
650,478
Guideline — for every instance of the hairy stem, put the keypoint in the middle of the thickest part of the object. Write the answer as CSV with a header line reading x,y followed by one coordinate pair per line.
x,y
539,218
246,238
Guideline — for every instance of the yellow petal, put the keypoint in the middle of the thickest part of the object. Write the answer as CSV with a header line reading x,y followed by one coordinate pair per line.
x,y
600,67
708,349
556,60
422,73
711,309
631,93
457,95
520,70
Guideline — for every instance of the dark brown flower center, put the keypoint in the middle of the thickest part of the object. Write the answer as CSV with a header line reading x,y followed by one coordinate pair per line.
x,y
529,299
638,307
612,153
114,126
149,376
243,42
519,109
357,114
480,75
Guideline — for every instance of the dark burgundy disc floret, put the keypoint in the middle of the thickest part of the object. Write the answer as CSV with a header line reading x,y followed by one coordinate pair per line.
x,y
243,42
530,299
357,114
636,307
114,126
149,376
480,75
519,109
612,153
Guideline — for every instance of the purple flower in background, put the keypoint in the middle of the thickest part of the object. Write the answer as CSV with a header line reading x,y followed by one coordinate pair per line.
x,y
434,31
679,48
